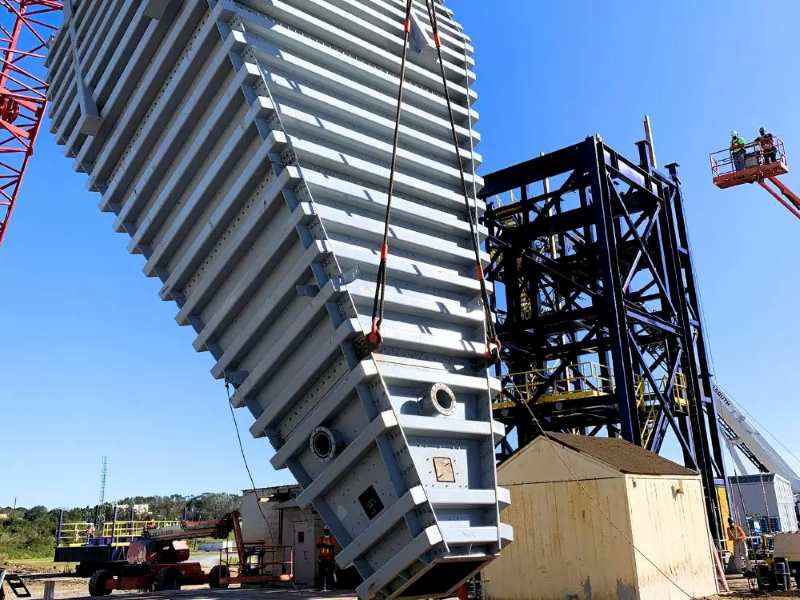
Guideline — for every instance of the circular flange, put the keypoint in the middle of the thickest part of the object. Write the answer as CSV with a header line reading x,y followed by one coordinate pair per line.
x,y
440,399
324,444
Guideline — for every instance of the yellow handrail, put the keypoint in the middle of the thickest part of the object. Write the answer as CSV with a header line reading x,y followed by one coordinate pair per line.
x,y
78,533
589,379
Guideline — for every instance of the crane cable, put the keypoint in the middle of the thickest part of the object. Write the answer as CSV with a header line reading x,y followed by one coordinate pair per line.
x,y
492,351
374,337
244,458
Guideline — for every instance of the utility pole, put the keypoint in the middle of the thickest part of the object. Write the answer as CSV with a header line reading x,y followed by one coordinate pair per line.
x,y
103,476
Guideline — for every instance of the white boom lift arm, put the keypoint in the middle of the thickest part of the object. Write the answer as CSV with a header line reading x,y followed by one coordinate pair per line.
x,y
742,434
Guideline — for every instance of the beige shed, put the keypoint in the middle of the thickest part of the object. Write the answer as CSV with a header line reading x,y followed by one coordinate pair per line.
x,y
580,504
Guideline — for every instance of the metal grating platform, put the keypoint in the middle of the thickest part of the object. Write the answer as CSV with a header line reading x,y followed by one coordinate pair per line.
x,y
244,147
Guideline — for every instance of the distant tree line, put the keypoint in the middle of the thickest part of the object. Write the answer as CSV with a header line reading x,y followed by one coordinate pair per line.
x,y
31,532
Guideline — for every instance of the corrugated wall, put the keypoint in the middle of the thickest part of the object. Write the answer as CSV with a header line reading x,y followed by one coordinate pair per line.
x,y
244,147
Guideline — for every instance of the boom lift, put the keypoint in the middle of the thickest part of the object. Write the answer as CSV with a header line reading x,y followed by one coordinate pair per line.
x,y
756,168
158,560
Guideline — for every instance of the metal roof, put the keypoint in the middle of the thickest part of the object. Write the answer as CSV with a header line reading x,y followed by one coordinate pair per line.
x,y
620,455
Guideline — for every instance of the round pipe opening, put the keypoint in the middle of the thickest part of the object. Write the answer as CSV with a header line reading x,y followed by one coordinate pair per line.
x,y
440,399
323,443
444,399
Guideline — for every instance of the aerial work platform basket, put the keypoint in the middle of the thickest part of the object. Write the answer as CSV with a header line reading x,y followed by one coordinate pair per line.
x,y
755,165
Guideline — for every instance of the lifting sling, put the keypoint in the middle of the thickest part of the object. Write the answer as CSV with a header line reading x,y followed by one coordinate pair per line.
x,y
492,352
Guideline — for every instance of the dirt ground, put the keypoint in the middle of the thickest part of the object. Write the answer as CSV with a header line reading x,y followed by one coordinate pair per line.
x,y
72,587
67,587
36,572
742,588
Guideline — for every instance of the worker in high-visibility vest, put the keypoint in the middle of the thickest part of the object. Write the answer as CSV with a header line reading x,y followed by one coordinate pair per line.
x,y
739,538
326,546
766,141
737,150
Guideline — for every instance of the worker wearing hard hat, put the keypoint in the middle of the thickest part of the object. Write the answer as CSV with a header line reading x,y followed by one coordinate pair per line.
x,y
769,152
737,150
739,538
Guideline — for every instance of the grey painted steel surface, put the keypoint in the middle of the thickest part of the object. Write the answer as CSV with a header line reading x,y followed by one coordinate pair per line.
x,y
763,495
244,147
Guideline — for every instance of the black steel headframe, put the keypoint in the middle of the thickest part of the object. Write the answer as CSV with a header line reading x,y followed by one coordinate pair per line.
x,y
597,306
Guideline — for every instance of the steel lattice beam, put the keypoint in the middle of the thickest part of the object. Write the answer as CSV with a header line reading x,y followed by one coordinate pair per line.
x,y
25,26
592,256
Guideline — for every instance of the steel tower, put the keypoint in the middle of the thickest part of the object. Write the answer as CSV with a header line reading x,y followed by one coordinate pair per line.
x,y
601,329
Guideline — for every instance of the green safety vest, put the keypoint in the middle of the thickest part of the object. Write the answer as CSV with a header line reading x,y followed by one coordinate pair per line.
x,y
737,144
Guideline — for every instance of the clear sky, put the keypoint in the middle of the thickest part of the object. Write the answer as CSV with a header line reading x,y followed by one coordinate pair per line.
x,y
92,363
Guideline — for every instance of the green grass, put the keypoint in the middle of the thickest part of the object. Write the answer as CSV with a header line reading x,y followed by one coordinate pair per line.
x,y
37,565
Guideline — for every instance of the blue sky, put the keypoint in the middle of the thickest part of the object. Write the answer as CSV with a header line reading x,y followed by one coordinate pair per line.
x,y
92,362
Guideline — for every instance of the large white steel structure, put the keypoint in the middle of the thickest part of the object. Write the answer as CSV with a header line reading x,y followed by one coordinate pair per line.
x,y
244,146
742,435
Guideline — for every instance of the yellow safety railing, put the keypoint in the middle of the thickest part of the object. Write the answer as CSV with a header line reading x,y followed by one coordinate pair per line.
x,y
590,379
648,403
125,530
74,534
645,396
577,381
79,533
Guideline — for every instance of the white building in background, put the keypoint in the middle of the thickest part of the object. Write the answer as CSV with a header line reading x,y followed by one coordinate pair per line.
x,y
766,499
272,515
138,509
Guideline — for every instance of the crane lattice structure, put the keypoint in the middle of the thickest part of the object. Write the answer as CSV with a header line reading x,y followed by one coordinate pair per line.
x,y
598,313
25,27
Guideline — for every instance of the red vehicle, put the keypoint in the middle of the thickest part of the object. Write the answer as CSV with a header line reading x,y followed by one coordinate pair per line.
x,y
158,561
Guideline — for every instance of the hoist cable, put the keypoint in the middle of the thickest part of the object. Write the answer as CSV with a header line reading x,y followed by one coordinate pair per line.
x,y
374,336
492,342
492,352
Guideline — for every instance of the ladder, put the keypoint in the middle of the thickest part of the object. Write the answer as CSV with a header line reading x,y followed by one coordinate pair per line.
x,y
16,584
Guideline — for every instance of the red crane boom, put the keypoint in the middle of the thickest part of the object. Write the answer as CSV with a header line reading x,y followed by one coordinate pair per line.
x,y
24,32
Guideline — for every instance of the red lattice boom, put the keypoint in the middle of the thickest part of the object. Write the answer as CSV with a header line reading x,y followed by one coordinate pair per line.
x,y
25,26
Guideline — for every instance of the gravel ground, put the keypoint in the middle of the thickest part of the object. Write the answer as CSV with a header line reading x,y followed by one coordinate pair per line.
x,y
742,588
76,588
73,587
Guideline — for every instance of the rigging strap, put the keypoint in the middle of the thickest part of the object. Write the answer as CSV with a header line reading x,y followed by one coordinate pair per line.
x,y
492,352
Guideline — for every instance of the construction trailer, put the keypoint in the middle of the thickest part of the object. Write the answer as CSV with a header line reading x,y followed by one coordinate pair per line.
x,y
600,518
598,311
763,502
244,146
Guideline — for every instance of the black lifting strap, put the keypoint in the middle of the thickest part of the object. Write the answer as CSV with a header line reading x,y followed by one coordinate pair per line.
x,y
492,352
374,336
